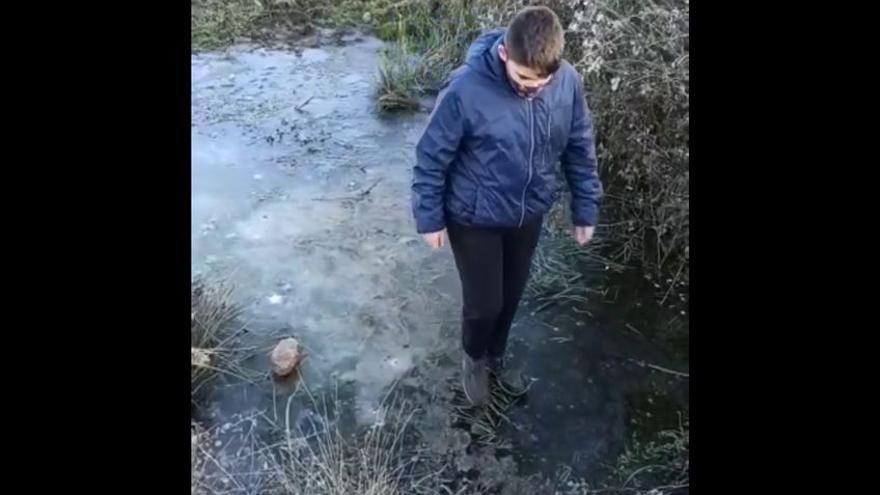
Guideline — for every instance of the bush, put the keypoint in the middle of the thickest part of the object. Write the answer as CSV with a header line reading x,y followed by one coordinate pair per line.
x,y
634,59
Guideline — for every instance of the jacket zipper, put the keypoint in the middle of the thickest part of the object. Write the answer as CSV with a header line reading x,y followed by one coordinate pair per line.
x,y
522,216
548,148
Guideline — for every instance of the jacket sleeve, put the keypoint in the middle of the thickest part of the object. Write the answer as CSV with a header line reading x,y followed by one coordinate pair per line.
x,y
579,164
435,152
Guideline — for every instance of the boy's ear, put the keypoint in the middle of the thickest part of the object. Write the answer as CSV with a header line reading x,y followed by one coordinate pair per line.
x,y
502,53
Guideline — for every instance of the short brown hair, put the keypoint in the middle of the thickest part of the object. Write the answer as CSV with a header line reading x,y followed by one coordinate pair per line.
x,y
535,39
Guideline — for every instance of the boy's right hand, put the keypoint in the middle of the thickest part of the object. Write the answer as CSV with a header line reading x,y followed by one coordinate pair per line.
x,y
435,239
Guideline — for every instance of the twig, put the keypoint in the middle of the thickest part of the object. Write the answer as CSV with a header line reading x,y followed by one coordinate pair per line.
x,y
634,330
403,3
621,489
660,368
637,471
367,190
544,306
356,197
675,281
299,107
582,311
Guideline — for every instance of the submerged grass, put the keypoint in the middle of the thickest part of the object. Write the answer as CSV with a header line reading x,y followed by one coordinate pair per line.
x,y
660,466
564,272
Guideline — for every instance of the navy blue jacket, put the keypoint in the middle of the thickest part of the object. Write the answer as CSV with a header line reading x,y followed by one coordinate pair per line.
x,y
488,157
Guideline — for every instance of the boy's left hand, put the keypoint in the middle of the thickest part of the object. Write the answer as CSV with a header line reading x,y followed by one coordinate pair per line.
x,y
583,235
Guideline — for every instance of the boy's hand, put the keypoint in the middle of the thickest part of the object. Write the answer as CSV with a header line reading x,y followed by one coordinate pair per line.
x,y
435,239
583,234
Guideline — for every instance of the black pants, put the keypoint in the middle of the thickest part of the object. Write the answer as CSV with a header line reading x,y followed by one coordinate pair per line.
x,y
493,265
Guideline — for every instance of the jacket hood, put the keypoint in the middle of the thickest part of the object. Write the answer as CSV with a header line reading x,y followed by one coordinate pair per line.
x,y
482,55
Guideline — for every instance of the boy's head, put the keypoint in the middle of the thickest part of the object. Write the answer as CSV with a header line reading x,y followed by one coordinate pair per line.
x,y
532,49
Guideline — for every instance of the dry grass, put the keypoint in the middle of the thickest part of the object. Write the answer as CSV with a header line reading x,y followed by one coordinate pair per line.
x,y
232,458
399,81
213,332
422,51
322,461
198,467
216,23
315,458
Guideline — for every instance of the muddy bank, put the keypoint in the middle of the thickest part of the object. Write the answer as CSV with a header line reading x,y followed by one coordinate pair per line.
x,y
300,198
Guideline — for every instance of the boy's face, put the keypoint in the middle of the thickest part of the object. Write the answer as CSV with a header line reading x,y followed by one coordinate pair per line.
x,y
525,80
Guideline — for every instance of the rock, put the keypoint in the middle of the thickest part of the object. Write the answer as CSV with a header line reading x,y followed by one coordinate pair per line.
x,y
286,357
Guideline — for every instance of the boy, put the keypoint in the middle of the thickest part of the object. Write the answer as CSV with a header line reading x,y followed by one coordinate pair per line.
x,y
485,174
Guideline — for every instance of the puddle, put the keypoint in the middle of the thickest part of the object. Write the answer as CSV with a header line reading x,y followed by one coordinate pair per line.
x,y
300,195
